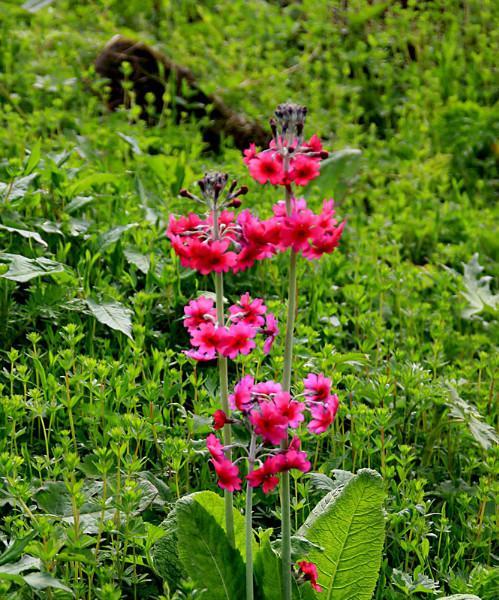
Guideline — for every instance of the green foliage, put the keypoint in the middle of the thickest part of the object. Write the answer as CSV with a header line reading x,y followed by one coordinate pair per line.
x,y
348,525
206,553
86,411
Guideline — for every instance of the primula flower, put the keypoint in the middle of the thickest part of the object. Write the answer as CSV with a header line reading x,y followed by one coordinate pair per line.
x,y
248,311
228,474
298,229
219,419
304,169
307,232
208,338
265,476
241,398
293,458
271,330
201,356
199,311
269,423
310,573
266,166
267,388
323,414
215,447
290,409
317,387
238,340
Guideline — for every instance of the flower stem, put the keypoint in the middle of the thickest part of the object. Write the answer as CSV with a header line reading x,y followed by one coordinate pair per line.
x,y
286,384
224,388
249,524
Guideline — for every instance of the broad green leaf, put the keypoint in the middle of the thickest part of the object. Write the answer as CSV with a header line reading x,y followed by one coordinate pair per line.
x,y
464,412
16,188
206,554
337,174
113,314
15,550
78,202
165,554
214,505
113,235
41,581
34,6
26,563
30,235
348,524
459,597
23,269
141,261
267,568
477,291
91,180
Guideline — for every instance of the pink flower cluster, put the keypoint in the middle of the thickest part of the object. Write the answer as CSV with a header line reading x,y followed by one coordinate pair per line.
x,y
270,166
239,244
246,239
304,231
269,413
247,318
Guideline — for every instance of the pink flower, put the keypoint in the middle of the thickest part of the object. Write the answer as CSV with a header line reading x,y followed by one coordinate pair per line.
x,y
271,330
219,419
228,474
304,169
310,573
264,476
317,387
269,423
290,409
201,356
241,398
248,311
323,414
293,458
238,340
208,338
267,388
199,311
215,447
214,257
298,229
266,166
249,154
314,143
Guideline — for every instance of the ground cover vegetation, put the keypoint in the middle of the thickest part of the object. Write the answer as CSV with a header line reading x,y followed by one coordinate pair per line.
x,y
104,418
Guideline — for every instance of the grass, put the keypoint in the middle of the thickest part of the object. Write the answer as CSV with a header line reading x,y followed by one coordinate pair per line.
x,y
100,430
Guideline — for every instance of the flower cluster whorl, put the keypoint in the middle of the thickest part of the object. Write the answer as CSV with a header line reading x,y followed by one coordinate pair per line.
x,y
269,413
247,319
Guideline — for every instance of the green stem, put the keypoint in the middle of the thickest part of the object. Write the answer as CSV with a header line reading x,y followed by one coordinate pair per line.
x,y
224,390
286,384
249,524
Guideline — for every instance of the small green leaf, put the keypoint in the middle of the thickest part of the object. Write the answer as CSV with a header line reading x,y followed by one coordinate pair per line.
x,y
113,314
15,550
34,158
17,188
